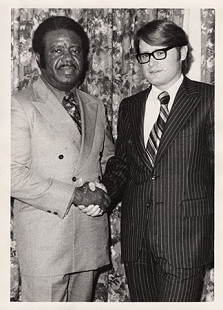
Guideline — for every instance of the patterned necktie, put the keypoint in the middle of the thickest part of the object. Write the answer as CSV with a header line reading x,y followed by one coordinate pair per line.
x,y
72,108
158,127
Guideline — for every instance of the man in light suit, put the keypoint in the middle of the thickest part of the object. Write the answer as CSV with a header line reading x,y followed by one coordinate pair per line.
x,y
54,155
163,171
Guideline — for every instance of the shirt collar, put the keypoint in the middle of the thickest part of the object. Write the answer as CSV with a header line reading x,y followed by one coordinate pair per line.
x,y
172,90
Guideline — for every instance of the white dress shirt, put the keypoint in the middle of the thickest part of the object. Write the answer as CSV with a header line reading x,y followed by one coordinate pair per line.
x,y
153,106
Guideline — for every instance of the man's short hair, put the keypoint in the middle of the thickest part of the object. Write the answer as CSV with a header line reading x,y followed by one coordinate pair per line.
x,y
165,33
57,23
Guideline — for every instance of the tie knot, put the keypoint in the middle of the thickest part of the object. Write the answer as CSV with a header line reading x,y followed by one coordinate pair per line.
x,y
164,97
69,95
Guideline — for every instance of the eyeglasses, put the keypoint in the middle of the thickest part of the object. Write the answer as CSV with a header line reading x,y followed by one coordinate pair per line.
x,y
158,55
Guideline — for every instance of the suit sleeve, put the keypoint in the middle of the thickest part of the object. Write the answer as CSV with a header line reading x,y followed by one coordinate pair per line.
x,y
46,194
108,145
210,134
117,169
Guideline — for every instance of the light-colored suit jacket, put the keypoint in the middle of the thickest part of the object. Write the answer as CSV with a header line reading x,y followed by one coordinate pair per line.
x,y
49,158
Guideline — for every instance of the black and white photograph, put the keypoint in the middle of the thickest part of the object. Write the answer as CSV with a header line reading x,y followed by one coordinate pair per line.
x,y
113,173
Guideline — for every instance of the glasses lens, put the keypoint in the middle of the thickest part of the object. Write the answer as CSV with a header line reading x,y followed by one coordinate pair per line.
x,y
143,58
159,54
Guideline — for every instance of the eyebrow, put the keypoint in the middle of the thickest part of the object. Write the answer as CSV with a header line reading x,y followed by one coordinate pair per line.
x,y
61,43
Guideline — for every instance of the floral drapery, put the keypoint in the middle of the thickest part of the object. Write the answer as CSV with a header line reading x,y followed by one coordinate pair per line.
x,y
113,74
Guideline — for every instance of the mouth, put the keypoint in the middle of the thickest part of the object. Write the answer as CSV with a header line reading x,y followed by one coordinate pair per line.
x,y
154,71
67,69
67,66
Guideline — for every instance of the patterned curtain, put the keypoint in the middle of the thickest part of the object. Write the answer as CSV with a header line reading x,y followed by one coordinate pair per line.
x,y
113,74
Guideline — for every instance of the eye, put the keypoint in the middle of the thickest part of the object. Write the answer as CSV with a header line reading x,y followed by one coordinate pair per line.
x,y
56,50
144,56
75,51
159,53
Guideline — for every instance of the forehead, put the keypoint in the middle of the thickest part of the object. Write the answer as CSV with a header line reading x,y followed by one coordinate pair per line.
x,y
145,47
61,35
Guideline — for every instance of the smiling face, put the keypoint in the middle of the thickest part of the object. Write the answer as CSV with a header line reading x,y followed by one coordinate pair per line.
x,y
162,73
63,58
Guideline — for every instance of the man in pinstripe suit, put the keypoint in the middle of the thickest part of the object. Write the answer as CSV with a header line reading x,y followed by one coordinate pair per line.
x,y
167,189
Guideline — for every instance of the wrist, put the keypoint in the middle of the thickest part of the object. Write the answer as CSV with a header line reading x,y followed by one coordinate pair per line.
x,y
77,195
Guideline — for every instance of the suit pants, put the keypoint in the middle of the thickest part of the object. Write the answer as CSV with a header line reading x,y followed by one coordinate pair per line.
x,y
74,287
152,279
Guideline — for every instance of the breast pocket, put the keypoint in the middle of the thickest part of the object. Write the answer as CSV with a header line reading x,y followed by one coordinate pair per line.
x,y
197,207
188,132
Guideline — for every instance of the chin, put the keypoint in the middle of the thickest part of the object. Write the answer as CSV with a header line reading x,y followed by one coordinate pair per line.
x,y
155,82
70,79
68,82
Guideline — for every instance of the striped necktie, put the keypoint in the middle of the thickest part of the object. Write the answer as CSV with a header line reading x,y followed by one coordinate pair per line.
x,y
72,108
158,127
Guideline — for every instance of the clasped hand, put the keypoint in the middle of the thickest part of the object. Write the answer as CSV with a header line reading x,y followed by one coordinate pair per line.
x,y
91,198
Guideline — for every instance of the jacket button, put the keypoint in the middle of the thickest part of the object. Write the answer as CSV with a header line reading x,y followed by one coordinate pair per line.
x,y
48,211
74,179
153,177
60,156
55,213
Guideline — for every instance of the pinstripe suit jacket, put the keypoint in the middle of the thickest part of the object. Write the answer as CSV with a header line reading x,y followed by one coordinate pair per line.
x,y
175,197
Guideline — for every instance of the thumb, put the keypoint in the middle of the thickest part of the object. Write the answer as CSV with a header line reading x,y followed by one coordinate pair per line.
x,y
92,186
79,182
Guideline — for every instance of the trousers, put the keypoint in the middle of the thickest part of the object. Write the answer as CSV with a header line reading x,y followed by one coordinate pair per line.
x,y
154,279
74,287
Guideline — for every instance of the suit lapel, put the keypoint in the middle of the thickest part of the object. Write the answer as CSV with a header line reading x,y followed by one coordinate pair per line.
x,y
137,112
52,110
88,108
184,104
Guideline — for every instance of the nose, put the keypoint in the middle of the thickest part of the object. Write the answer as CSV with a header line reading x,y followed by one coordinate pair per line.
x,y
67,54
152,61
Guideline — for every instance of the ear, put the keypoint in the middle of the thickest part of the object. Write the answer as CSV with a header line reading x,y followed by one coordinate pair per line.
x,y
183,52
37,55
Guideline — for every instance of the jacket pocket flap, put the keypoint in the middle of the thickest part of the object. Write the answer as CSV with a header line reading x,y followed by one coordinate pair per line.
x,y
198,207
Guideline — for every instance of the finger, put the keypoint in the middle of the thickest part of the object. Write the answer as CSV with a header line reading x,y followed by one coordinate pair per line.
x,y
79,182
101,186
81,207
94,210
92,186
85,209
98,212
91,207
101,212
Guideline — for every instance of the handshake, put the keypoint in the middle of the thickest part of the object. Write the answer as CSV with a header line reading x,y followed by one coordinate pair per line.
x,y
91,198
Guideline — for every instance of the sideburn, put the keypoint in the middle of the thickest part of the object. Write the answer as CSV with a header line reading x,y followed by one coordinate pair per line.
x,y
42,63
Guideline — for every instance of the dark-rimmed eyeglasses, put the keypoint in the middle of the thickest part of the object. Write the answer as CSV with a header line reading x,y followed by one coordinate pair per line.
x,y
157,54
